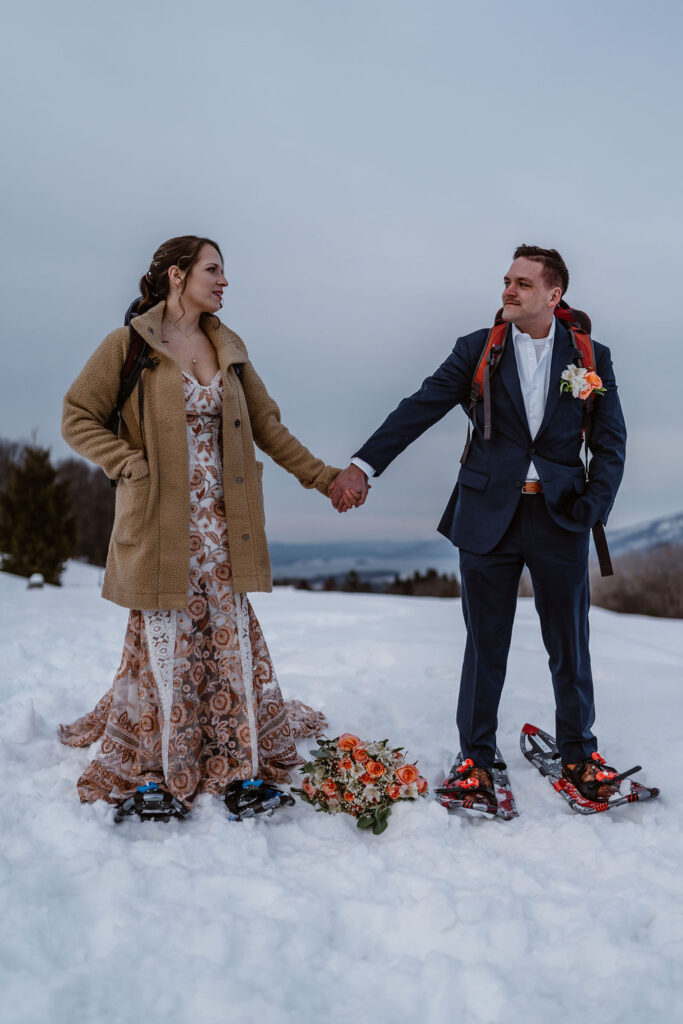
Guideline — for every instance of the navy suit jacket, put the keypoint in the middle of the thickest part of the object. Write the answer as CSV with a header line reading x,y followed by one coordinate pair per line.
x,y
488,486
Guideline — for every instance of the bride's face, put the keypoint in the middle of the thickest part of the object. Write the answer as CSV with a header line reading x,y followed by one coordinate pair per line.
x,y
205,282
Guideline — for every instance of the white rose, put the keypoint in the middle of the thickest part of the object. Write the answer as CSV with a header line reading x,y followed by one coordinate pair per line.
x,y
371,794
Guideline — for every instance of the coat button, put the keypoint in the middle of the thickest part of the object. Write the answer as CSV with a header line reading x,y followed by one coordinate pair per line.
x,y
150,330
531,451
518,483
240,479
245,536
237,423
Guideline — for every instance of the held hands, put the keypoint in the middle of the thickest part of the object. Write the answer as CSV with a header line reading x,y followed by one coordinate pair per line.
x,y
349,489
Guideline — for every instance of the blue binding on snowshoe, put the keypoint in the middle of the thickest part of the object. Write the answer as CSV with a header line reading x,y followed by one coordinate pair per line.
x,y
151,803
249,797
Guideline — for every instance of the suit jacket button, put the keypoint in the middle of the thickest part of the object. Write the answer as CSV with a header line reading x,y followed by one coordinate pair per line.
x,y
237,423
518,483
531,451
245,536
240,480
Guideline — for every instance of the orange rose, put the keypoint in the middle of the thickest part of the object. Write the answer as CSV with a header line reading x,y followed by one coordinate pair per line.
x,y
365,778
349,797
375,770
346,764
393,792
359,754
347,741
309,788
407,774
593,379
585,392
421,784
329,787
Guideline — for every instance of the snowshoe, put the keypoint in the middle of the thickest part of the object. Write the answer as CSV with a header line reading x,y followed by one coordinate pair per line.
x,y
247,798
151,803
498,801
541,751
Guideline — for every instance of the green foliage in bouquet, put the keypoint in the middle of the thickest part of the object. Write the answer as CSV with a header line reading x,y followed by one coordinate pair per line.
x,y
360,778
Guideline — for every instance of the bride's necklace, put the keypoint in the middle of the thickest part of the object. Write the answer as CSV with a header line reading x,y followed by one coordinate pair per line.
x,y
186,336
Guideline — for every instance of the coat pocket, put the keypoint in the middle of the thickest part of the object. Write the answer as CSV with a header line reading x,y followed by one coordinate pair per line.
x,y
473,478
131,505
259,490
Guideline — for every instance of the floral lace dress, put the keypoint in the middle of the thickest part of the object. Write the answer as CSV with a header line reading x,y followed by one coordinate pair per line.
x,y
195,703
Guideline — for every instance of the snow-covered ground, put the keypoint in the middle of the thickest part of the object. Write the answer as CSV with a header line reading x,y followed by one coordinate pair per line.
x,y
302,918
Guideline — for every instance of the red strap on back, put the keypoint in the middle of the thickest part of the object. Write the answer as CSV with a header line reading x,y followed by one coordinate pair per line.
x,y
584,345
495,339
579,325
481,381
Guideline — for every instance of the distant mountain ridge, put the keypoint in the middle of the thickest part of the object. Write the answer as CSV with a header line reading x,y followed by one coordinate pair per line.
x,y
377,559
655,533
370,559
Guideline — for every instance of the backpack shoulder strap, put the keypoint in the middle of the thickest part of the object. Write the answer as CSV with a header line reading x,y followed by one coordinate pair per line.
x,y
579,326
583,343
481,381
490,354
137,359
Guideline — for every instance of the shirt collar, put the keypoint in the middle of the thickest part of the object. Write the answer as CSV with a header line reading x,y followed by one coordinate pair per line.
x,y
517,334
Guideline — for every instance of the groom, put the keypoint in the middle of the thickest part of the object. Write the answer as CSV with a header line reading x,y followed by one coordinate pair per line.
x,y
521,498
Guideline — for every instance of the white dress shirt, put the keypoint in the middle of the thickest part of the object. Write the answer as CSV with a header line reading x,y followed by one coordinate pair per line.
x,y
533,357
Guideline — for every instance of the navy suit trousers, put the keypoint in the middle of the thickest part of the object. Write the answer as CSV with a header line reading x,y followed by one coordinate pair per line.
x,y
558,562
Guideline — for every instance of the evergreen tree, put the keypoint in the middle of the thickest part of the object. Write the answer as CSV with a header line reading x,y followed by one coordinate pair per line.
x,y
37,530
92,501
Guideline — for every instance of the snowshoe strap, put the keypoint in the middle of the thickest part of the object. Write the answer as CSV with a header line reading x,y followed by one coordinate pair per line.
x,y
624,775
465,780
151,803
605,776
248,797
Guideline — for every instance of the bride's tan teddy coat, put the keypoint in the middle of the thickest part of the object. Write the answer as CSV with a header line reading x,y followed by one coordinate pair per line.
x,y
148,561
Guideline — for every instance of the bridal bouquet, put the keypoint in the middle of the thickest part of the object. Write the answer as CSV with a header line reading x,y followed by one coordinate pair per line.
x,y
360,778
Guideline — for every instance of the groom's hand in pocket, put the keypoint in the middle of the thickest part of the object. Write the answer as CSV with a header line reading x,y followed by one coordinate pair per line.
x,y
349,489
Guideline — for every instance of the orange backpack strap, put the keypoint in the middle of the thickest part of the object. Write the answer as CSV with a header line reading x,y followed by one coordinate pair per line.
x,y
481,381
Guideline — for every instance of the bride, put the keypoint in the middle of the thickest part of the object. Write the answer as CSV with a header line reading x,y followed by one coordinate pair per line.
x,y
195,703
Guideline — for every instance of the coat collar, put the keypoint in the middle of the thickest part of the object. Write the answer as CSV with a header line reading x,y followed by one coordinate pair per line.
x,y
229,347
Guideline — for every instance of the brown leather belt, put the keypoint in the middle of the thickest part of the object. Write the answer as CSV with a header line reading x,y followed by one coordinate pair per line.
x,y
532,487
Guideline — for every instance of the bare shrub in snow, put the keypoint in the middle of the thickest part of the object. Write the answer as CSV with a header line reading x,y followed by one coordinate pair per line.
x,y
644,583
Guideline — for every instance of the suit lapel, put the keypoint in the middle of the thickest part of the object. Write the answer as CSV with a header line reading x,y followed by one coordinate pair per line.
x,y
508,373
563,355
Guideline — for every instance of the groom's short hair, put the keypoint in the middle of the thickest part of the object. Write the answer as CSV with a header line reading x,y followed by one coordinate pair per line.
x,y
555,273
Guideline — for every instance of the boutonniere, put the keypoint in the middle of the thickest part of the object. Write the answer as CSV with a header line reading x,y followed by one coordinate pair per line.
x,y
580,383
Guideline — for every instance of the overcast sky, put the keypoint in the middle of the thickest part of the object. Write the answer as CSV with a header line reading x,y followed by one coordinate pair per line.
x,y
368,168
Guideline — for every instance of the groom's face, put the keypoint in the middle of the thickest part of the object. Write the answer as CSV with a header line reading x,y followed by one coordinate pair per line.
x,y
527,299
